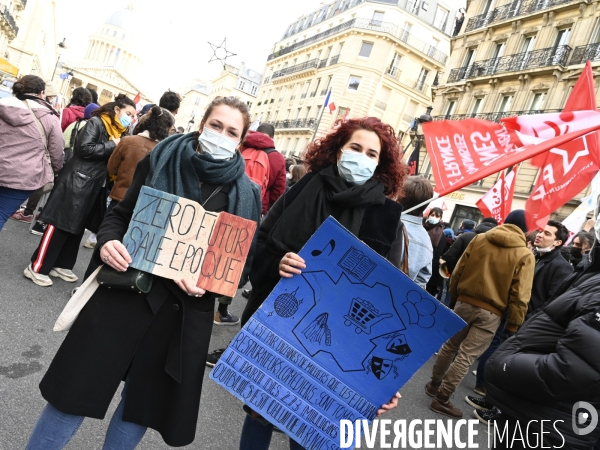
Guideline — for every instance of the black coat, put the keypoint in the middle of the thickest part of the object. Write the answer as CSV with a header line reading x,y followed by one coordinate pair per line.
x,y
77,200
385,240
551,269
553,362
461,243
158,341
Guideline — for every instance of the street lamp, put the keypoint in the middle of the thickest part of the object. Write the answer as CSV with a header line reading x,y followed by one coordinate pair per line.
x,y
191,122
416,133
63,46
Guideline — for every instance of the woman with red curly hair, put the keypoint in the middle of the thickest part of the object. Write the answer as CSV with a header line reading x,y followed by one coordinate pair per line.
x,y
353,173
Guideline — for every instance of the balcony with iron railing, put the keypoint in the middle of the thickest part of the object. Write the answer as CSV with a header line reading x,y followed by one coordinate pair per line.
x,y
8,23
267,80
303,96
324,91
495,116
546,57
511,10
322,63
296,123
381,105
394,73
307,65
334,60
584,53
373,25
313,94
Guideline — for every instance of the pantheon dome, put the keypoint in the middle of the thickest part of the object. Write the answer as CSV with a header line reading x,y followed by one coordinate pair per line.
x,y
114,45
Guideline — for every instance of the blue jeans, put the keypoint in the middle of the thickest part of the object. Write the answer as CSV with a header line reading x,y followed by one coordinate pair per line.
x,y
54,430
256,435
10,200
496,341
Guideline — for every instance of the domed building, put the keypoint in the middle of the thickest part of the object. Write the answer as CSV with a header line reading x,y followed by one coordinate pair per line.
x,y
110,61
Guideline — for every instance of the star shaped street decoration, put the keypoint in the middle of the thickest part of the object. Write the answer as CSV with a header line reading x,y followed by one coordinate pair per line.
x,y
220,53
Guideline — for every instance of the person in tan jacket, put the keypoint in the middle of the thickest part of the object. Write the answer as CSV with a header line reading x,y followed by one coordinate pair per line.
x,y
493,278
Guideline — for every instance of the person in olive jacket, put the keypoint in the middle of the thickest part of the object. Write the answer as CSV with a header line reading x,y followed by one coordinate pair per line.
x,y
78,200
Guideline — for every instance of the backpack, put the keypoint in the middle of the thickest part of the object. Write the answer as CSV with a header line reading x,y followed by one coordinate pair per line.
x,y
257,168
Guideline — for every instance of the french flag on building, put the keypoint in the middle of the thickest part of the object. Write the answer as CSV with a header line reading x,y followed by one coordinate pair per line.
x,y
329,103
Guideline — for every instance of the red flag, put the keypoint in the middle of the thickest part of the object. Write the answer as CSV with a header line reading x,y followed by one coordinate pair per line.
x,y
497,202
465,151
568,169
346,114
137,98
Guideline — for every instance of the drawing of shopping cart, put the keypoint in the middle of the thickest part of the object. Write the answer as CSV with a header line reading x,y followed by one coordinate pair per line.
x,y
363,315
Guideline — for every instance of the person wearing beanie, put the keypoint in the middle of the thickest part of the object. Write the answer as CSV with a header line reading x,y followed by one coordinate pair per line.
x,y
492,279
89,109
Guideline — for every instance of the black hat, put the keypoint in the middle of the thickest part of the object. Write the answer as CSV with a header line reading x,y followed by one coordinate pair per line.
x,y
468,224
517,217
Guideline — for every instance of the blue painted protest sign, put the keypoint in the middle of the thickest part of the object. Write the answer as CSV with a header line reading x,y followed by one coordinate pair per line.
x,y
336,342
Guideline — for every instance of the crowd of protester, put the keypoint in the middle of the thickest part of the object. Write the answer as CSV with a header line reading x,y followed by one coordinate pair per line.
x,y
528,297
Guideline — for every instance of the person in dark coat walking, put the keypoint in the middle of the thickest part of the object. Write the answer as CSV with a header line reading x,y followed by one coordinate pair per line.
x,y
353,173
551,269
538,376
435,229
461,243
154,342
78,200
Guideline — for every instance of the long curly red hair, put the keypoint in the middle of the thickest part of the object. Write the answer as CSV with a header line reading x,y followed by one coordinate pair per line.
x,y
390,171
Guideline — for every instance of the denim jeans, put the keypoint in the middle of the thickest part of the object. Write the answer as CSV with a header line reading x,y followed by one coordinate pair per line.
x,y
496,341
54,430
10,200
256,435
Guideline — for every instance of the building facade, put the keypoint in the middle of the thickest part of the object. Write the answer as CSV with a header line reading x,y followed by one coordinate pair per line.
x,y
242,82
30,47
514,58
193,104
378,58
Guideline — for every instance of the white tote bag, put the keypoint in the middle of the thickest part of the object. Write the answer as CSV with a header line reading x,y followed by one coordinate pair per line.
x,y
77,302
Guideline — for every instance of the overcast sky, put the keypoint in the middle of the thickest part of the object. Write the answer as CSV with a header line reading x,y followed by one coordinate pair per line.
x,y
174,34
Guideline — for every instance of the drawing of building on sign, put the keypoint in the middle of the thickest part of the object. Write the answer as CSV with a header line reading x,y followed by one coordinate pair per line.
x,y
357,264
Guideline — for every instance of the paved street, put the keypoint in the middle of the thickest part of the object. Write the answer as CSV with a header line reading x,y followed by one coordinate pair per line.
x,y
27,343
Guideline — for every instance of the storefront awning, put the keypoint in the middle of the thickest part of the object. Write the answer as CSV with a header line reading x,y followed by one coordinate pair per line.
x,y
8,68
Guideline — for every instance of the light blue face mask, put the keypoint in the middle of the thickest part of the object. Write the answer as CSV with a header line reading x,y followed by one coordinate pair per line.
x,y
217,145
125,120
355,167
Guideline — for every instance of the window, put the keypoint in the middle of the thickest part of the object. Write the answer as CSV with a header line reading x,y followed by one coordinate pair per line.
x,y
115,33
353,83
254,90
315,91
393,69
537,102
377,19
476,106
421,80
450,109
441,19
365,49
197,101
506,103
241,85
461,213
249,104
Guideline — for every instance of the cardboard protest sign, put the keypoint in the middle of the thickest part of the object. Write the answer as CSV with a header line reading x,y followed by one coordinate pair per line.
x,y
335,342
177,238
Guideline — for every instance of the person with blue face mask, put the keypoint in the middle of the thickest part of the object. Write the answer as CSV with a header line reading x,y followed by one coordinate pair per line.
x,y
355,175
78,200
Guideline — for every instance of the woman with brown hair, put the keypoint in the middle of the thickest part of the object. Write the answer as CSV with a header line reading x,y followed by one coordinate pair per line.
x,y
154,342
353,173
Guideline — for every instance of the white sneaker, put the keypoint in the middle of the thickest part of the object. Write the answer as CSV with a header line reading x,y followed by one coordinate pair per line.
x,y
89,244
65,274
37,278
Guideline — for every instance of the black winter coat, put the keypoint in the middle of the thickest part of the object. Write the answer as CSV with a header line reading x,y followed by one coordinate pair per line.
x,y
77,200
551,270
385,240
553,362
461,243
157,341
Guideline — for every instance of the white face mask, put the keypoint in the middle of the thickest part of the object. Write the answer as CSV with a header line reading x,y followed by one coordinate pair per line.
x,y
433,220
217,145
355,167
545,249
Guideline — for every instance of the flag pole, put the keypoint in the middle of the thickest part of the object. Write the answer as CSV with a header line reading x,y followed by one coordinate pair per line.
x,y
426,202
318,123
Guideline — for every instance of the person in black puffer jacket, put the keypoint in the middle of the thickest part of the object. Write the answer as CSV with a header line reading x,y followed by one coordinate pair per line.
x,y
461,243
551,364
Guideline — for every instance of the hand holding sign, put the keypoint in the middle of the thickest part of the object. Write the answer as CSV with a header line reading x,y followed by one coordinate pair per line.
x,y
177,238
291,264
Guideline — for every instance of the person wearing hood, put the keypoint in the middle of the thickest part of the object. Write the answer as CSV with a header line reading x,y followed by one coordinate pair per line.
x,y
580,248
435,229
80,98
551,269
78,200
461,243
493,278
31,144
549,368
